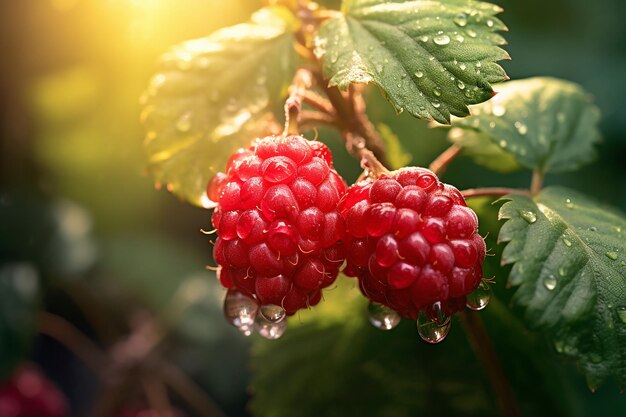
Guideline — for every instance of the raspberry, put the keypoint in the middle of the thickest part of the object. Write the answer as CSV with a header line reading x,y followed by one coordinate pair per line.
x,y
412,243
30,394
278,225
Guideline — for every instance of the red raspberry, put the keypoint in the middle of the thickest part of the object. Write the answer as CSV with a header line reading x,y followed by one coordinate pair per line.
x,y
30,394
412,242
278,225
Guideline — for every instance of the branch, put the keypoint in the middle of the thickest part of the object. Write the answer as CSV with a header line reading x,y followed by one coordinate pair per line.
x,y
356,146
481,343
492,192
439,165
310,118
293,106
75,341
536,182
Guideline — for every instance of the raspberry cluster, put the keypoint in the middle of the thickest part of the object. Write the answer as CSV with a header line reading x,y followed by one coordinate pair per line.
x,y
412,242
30,394
277,222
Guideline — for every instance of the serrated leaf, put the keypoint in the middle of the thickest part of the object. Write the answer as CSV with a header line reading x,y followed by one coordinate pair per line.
x,y
214,95
547,124
430,58
483,151
19,285
569,257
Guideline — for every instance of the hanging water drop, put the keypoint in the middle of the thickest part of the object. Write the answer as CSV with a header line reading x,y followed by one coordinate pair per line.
x,y
471,33
490,23
441,40
269,329
479,298
240,310
521,128
549,282
438,314
437,91
419,74
272,312
429,330
382,317
460,84
529,216
461,19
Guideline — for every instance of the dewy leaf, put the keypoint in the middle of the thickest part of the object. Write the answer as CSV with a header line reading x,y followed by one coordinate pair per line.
x,y
545,123
482,150
214,95
430,58
569,257
19,285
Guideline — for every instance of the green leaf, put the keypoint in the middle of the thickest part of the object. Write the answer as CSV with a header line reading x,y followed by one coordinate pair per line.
x,y
569,257
430,58
482,150
546,124
214,95
19,285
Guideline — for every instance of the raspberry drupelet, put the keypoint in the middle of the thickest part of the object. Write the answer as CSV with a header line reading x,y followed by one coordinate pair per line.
x,y
277,223
412,243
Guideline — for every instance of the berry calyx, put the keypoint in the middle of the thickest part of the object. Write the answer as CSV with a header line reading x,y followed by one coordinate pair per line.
x,y
278,225
412,243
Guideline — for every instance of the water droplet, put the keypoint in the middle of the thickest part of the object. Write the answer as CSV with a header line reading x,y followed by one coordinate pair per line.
x,y
549,282
479,298
440,316
529,216
621,313
272,312
436,104
419,74
382,317
269,329
498,111
569,204
437,91
460,84
612,255
502,143
562,271
240,310
462,66
521,128
567,242
459,38
478,64
492,124
489,23
424,38
618,229
470,33
461,19
183,124
441,40
593,229
429,330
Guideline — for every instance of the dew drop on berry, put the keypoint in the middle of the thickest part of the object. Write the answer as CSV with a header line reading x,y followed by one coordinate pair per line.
x,y
479,298
382,317
272,312
278,169
240,310
429,330
269,329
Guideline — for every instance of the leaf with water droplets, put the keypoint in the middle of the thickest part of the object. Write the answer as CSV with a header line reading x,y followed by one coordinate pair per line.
x,y
482,150
431,59
566,263
214,95
543,123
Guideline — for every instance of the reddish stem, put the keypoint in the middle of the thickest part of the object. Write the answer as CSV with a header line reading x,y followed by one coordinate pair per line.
x,y
439,165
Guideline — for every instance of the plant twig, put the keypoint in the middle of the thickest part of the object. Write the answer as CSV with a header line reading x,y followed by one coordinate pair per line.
x,y
536,182
311,118
439,165
356,146
293,106
156,394
485,351
75,341
187,389
320,103
492,192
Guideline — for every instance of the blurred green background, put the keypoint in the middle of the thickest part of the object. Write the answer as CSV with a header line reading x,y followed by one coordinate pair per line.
x,y
76,202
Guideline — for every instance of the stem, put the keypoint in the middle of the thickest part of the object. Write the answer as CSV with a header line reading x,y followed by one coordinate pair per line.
x,y
439,165
156,394
492,192
320,103
536,182
483,347
75,341
293,106
311,118
356,146
189,391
